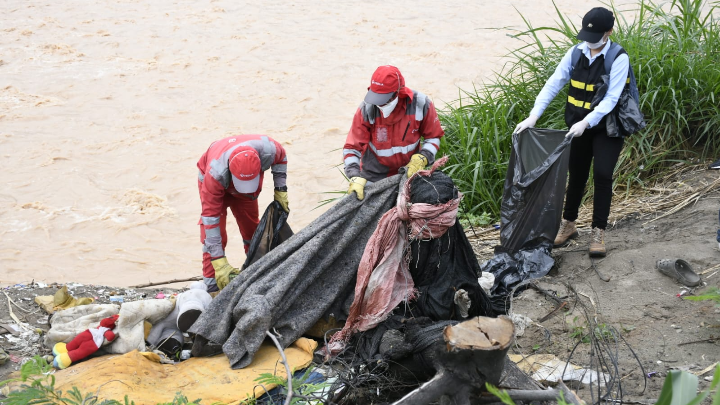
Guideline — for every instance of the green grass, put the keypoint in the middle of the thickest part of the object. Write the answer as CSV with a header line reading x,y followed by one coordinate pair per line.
x,y
675,53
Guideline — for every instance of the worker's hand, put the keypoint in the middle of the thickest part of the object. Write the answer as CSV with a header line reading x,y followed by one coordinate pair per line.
x,y
417,163
577,129
282,198
357,184
529,122
223,270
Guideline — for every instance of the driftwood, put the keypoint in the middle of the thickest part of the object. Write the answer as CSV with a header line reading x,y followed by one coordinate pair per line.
x,y
533,395
177,280
474,353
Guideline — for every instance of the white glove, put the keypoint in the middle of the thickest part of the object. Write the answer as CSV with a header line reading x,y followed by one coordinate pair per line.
x,y
577,129
528,123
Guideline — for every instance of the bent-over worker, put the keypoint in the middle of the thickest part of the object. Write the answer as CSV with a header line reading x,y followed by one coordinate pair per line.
x,y
231,176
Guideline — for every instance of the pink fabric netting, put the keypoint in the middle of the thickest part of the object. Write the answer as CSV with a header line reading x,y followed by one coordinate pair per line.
x,y
383,279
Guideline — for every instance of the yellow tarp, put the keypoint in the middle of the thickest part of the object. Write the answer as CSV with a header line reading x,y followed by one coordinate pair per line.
x,y
208,378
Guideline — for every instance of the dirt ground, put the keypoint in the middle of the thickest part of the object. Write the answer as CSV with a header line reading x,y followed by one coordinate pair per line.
x,y
664,331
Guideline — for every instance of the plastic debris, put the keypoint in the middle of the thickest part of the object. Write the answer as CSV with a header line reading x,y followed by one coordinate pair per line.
x,y
521,322
486,281
547,368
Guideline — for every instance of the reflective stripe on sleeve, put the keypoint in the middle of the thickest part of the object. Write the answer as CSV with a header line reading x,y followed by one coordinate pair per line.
x,y
212,233
431,145
351,152
207,221
352,159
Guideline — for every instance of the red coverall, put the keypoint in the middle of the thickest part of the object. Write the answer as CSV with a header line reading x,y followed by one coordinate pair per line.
x,y
217,192
376,147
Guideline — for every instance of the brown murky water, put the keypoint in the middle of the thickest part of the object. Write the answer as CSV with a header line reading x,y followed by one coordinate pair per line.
x,y
106,106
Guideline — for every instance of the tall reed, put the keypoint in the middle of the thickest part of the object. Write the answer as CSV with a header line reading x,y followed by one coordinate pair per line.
x,y
674,49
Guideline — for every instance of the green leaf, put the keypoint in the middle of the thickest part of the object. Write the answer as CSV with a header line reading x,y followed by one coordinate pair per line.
x,y
501,394
679,388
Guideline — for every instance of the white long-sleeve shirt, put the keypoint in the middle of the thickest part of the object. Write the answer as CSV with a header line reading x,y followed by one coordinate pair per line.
x,y
618,77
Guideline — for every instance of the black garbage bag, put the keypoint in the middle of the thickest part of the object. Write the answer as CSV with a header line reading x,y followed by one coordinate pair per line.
x,y
626,118
272,230
444,265
531,210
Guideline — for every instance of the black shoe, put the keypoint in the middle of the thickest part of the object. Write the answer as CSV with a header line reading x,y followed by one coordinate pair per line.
x,y
187,319
715,165
171,347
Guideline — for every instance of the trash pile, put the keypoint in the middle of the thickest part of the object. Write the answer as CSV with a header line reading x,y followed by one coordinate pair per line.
x,y
378,294
26,313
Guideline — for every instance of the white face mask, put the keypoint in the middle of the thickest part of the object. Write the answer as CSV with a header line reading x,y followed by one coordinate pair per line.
x,y
388,108
597,45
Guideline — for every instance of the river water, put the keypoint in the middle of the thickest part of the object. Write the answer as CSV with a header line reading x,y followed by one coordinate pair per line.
x,y
106,106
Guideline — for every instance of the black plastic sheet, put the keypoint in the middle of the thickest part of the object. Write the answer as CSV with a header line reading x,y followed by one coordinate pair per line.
x,y
272,230
531,210
444,265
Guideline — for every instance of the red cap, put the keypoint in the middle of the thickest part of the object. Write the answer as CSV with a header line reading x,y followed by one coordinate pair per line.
x,y
245,169
384,82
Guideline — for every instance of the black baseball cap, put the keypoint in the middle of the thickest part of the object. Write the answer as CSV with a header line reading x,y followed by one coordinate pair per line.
x,y
595,24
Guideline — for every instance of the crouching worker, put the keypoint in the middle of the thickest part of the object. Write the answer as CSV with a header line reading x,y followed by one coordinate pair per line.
x,y
231,176
386,131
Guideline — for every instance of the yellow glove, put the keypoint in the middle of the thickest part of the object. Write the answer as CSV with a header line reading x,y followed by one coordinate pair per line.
x,y
417,163
357,184
223,270
282,198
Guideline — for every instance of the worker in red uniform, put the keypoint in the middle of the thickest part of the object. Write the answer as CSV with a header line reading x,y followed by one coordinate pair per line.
x,y
231,176
386,131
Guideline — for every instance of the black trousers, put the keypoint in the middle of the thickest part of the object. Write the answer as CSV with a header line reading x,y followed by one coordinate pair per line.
x,y
593,145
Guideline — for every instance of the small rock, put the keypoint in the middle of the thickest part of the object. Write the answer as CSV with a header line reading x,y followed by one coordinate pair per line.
x,y
659,362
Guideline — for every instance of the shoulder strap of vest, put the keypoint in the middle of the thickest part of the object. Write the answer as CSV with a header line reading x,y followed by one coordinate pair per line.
x,y
613,52
575,57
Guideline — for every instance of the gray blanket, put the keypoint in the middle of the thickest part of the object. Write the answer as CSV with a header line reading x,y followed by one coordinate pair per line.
x,y
309,275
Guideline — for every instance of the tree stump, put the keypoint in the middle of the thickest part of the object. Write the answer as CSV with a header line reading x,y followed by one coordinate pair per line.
x,y
473,354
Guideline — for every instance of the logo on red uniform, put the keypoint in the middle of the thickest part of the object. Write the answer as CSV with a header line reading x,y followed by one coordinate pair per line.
x,y
382,135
